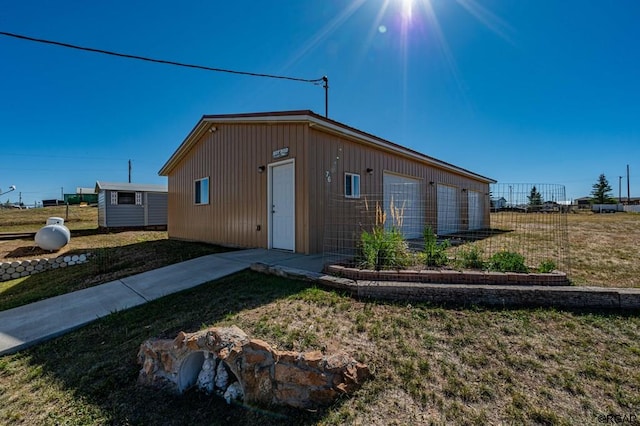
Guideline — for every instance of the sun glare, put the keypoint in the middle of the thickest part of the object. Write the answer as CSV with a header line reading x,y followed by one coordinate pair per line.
x,y
405,23
407,8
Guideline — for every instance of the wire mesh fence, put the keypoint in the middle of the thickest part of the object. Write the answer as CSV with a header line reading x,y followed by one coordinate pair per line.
x,y
410,226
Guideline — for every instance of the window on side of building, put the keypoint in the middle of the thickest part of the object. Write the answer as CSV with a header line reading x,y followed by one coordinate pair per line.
x,y
126,197
351,185
201,190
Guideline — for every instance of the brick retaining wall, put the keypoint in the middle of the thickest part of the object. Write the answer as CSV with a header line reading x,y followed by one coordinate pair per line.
x,y
446,276
572,297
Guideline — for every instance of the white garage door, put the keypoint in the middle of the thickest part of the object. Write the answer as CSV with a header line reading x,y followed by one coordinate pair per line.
x,y
448,210
406,195
475,210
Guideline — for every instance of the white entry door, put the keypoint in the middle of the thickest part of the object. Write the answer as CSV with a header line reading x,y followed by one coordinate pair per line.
x,y
282,208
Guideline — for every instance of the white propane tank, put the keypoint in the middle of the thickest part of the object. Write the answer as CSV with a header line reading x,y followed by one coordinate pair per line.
x,y
55,221
54,235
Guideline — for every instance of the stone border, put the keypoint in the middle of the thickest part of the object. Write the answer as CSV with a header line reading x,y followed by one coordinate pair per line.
x,y
571,297
24,268
450,276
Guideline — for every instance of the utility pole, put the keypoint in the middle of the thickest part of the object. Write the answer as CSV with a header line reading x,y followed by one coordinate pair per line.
x,y
326,95
129,171
628,188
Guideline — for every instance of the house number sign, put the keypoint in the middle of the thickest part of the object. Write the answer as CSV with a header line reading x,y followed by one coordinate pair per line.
x,y
280,153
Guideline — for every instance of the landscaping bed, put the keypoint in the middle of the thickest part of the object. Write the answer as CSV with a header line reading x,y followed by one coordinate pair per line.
x,y
383,254
450,276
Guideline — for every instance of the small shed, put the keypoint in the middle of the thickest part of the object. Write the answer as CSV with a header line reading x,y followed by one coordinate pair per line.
x,y
131,205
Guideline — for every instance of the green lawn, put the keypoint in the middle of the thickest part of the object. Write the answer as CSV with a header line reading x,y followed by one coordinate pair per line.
x,y
430,364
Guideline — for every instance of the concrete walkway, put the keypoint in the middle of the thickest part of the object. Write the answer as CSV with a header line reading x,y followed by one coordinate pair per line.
x,y
27,325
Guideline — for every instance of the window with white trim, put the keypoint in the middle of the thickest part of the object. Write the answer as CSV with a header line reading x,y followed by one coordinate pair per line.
x,y
351,185
126,198
121,198
201,191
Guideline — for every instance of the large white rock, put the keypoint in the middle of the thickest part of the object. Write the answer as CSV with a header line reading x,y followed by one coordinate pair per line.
x,y
206,377
222,377
233,392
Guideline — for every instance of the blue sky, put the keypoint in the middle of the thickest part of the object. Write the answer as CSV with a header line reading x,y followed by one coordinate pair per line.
x,y
539,91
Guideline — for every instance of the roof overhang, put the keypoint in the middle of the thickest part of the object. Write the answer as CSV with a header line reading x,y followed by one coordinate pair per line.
x,y
317,122
125,186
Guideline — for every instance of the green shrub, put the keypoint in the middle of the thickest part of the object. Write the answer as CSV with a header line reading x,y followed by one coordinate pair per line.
x,y
471,258
384,249
506,261
547,266
434,253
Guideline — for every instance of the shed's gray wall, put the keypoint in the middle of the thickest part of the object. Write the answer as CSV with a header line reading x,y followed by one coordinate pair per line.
x,y
152,212
102,215
155,208
123,214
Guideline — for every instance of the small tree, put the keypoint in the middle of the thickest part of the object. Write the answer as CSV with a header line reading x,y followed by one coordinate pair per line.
x,y
535,198
601,190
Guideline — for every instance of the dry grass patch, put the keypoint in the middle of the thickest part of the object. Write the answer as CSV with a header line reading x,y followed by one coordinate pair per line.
x,y
602,248
30,220
430,364
81,221
465,365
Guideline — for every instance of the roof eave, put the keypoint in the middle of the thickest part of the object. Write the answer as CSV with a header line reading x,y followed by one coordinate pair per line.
x,y
391,147
314,120
206,121
127,186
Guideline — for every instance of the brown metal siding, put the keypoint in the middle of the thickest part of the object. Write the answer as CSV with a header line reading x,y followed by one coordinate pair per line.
x,y
328,152
230,157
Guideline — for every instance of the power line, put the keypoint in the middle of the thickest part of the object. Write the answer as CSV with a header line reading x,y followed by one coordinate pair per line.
x,y
324,80
159,61
67,157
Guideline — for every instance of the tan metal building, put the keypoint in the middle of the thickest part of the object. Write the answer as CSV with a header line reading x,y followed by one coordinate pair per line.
x,y
267,180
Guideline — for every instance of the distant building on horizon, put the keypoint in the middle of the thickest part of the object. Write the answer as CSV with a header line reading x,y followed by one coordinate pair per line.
x,y
82,195
585,202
